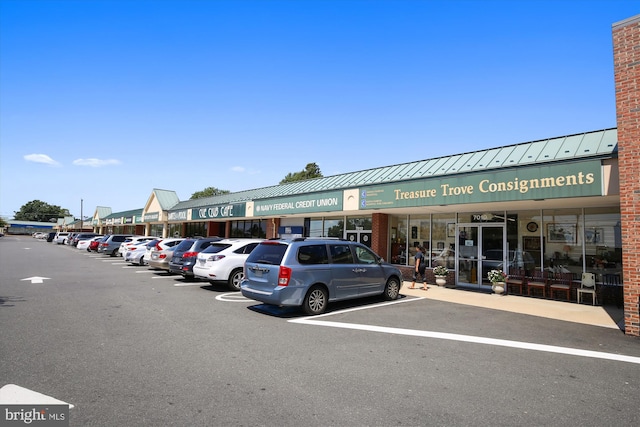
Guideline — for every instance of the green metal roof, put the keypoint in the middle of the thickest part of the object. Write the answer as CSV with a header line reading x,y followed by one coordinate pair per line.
x,y
166,198
598,144
103,211
124,214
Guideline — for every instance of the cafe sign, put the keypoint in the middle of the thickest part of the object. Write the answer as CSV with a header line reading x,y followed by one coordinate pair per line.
x,y
219,211
542,182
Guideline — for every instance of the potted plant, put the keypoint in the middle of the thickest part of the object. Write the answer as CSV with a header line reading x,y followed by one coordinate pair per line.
x,y
497,279
441,272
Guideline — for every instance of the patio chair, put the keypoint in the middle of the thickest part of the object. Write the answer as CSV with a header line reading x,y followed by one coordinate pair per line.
x,y
538,282
561,283
588,286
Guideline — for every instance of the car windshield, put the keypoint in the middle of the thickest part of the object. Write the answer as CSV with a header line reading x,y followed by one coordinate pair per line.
x,y
152,243
216,247
185,245
268,253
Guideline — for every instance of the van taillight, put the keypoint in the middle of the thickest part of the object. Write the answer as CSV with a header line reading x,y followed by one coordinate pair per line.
x,y
284,275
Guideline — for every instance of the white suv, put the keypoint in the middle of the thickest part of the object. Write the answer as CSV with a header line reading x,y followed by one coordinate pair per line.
x,y
61,238
132,241
223,261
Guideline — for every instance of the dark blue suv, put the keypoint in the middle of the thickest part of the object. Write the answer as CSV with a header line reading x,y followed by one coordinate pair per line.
x,y
186,253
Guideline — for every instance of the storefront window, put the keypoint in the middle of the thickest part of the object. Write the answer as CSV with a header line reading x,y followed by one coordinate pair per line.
x,y
602,242
253,229
398,239
175,230
562,247
524,236
443,242
156,230
359,223
419,232
326,227
194,229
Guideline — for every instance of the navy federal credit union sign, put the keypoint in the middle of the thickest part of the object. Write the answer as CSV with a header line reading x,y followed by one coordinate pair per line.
x,y
320,202
524,183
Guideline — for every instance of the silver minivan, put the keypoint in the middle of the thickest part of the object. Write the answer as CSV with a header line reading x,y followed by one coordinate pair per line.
x,y
110,243
311,272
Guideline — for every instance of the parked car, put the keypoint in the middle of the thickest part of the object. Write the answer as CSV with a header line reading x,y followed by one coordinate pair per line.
x,y
310,273
184,255
95,243
135,254
110,243
70,238
160,245
82,236
223,261
85,244
61,238
160,259
131,242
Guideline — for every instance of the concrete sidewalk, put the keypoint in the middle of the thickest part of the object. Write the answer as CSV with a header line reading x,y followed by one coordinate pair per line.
x,y
603,316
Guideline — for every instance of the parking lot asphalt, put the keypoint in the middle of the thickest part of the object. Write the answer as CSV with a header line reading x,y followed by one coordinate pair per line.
x,y
602,316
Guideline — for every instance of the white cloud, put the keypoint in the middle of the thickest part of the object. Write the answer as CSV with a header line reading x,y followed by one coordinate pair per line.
x,y
41,158
96,163
242,169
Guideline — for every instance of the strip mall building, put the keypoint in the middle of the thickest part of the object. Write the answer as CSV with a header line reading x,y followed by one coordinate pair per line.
x,y
568,203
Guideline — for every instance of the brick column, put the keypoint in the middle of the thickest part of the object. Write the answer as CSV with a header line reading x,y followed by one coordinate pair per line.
x,y
380,234
626,67
272,227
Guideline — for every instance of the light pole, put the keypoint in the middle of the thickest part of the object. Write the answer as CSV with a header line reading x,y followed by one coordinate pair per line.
x,y
81,217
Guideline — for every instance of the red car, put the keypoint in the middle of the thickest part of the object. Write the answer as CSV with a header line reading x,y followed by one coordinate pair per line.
x,y
93,246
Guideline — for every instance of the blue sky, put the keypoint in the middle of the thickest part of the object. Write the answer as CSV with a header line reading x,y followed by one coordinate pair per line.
x,y
103,101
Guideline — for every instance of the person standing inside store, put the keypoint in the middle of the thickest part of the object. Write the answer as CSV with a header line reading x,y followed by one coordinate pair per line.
x,y
420,268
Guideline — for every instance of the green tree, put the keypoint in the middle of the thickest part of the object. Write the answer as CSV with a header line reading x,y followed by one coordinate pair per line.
x,y
310,171
37,210
208,192
3,223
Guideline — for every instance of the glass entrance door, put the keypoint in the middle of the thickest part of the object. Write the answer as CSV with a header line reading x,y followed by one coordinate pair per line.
x,y
479,249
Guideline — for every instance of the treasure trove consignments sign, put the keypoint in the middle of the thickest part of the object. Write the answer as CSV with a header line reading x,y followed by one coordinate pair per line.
x,y
320,202
523,183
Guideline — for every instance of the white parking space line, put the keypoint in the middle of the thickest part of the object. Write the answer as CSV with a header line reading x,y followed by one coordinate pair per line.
x,y
190,284
146,271
167,277
233,297
463,338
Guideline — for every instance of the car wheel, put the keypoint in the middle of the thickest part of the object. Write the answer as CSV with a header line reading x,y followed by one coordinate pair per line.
x,y
235,278
315,302
392,289
114,253
141,262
